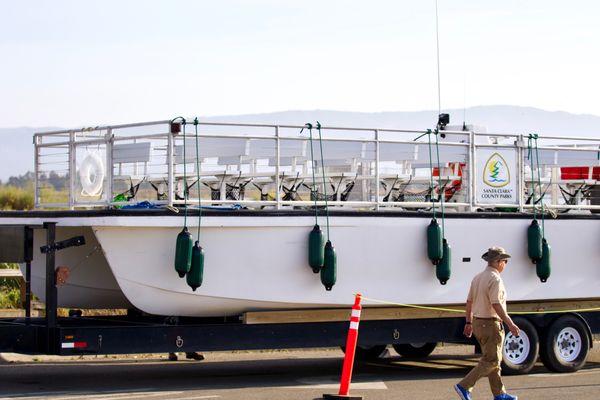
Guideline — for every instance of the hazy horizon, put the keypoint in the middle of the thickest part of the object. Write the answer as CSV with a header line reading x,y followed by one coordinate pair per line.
x,y
17,149
457,113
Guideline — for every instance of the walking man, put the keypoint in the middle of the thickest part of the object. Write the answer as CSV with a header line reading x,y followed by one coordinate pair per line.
x,y
485,312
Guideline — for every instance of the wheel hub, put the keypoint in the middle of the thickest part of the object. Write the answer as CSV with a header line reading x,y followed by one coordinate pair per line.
x,y
516,349
513,345
568,344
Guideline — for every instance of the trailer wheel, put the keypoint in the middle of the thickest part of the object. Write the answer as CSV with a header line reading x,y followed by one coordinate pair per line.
x,y
367,353
566,345
519,354
414,350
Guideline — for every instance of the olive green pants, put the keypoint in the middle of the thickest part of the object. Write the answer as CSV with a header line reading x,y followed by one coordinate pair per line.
x,y
490,335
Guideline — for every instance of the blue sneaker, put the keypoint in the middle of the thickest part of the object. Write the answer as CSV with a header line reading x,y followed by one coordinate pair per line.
x,y
505,396
463,393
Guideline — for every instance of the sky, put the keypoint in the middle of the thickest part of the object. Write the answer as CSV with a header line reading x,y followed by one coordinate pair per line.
x,y
71,63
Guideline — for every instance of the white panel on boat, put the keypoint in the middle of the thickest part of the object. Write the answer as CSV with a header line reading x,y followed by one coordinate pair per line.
x,y
398,152
340,150
454,138
413,152
447,154
293,148
287,161
566,158
261,148
231,160
131,152
211,147
333,162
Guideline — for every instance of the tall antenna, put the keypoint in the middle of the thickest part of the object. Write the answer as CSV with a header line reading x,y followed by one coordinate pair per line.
x,y
437,37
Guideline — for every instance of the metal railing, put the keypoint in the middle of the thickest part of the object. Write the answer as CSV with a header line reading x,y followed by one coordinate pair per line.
x,y
269,166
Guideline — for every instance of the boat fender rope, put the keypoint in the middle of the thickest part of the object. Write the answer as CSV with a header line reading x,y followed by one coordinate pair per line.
x,y
313,190
324,184
183,123
441,189
184,242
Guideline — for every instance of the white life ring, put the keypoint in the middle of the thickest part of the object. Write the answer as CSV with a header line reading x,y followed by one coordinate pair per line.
x,y
91,175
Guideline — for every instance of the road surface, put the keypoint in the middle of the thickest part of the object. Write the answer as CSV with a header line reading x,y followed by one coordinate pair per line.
x,y
300,374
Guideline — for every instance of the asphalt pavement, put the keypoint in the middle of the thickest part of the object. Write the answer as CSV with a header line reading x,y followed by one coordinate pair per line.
x,y
274,375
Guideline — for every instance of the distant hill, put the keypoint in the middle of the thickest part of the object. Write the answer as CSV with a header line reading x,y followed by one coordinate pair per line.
x,y
510,119
17,147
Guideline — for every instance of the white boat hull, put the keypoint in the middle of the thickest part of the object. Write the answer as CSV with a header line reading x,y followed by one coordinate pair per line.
x,y
91,283
260,262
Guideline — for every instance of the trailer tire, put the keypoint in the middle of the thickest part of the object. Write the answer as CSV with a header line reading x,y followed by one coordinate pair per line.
x,y
519,354
368,353
414,350
566,345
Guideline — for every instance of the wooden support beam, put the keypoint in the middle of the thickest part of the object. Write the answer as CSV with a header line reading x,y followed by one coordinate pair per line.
x,y
391,313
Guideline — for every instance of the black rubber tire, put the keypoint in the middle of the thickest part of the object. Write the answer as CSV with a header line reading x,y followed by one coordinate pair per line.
x,y
414,351
548,352
527,328
367,353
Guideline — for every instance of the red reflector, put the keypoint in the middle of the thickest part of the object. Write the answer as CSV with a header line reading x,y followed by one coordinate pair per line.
x,y
80,345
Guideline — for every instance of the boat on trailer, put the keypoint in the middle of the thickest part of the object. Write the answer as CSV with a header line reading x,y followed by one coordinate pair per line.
x,y
256,192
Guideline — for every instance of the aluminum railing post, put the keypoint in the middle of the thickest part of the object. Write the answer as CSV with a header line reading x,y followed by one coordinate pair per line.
x,y
376,169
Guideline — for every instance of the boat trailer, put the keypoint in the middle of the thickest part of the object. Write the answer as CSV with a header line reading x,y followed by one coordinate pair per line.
x,y
141,333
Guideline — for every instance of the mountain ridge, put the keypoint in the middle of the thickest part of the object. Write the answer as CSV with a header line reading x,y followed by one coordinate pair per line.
x,y
17,150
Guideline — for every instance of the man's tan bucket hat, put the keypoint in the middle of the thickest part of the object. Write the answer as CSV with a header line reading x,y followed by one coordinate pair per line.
x,y
495,254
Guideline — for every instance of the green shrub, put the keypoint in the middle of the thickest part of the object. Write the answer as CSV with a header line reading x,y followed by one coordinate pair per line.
x,y
50,195
10,298
10,291
8,283
14,198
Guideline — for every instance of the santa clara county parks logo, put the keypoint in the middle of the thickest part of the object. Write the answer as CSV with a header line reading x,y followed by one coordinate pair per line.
x,y
496,173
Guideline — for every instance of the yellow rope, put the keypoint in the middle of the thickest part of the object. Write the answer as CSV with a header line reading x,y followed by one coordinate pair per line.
x,y
413,305
463,311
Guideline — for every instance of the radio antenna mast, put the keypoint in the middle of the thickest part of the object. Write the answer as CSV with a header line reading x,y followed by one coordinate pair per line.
x,y
437,37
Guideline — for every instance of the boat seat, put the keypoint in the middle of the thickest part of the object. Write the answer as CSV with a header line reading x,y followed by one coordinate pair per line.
x,y
131,153
287,161
398,152
566,158
267,149
211,147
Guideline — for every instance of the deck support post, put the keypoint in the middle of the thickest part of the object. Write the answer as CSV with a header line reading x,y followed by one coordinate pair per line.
x,y
51,293
28,247
28,291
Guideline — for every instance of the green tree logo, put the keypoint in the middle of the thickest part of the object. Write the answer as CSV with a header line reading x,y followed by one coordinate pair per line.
x,y
496,172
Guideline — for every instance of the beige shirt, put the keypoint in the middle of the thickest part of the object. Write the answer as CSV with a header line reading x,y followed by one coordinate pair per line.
x,y
486,289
